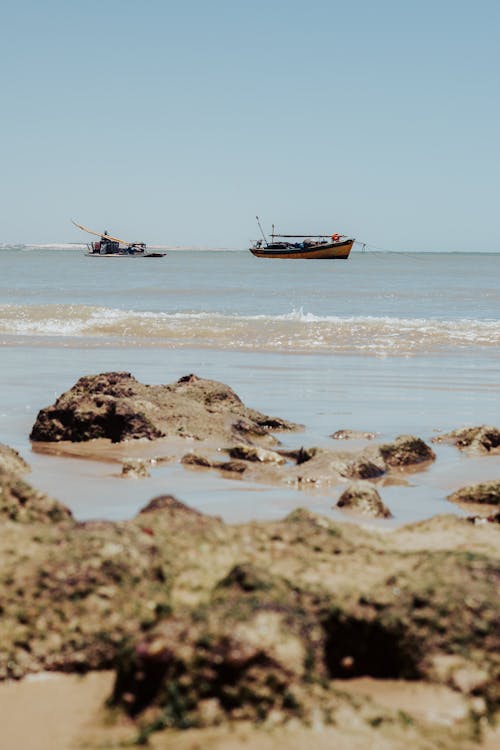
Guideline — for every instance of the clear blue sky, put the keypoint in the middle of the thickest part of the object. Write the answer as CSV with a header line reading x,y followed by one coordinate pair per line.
x,y
177,122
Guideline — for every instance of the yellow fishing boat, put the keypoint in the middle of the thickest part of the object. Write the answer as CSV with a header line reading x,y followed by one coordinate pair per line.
x,y
318,246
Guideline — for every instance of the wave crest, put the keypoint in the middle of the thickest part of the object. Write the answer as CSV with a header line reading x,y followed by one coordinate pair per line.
x,y
294,332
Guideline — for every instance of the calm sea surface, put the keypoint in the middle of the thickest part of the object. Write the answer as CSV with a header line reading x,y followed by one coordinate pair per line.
x,y
387,342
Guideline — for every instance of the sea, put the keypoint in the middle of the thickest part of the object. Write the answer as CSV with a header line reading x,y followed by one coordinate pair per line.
x,y
385,342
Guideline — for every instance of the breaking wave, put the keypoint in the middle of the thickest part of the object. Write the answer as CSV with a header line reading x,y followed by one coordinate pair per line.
x,y
295,332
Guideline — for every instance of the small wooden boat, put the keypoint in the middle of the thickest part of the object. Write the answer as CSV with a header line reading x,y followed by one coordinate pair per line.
x,y
318,246
112,247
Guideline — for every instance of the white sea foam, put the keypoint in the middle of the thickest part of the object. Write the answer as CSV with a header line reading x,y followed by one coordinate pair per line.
x,y
297,331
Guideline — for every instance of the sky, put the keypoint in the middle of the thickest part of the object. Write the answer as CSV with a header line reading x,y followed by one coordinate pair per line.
x,y
177,123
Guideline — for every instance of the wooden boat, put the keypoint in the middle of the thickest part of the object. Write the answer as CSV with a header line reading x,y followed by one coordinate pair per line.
x,y
318,246
112,247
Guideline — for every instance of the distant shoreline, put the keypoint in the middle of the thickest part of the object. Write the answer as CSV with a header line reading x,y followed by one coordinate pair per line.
x,y
194,248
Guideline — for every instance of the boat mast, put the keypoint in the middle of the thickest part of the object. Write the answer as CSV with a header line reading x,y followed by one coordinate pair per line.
x,y
262,231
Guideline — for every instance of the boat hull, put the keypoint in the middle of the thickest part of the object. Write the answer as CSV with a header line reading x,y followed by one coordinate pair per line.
x,y
330,251
125,255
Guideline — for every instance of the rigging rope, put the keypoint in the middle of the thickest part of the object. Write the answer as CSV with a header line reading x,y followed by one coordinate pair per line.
x,y
367,245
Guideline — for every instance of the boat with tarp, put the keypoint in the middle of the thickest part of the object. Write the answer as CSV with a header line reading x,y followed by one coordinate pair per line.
x,y
108,246
317,246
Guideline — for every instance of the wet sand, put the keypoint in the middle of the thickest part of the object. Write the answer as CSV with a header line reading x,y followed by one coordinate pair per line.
x,y
53,711
86,478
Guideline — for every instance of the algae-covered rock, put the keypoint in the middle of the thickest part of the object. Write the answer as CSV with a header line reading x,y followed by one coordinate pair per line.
x,y
11,461
363,498
136,468
71,596
117,407
255,453
485,493
20,502
232,467
317,600
195,459
483,439
321,466
168,504
406,450
207,622
362,467
247,653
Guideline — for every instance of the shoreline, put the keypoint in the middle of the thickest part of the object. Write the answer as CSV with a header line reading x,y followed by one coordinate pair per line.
x,y
70,708
70,472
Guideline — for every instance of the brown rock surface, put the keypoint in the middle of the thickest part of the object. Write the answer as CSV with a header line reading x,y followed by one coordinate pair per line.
x,y
484,493
11,461
117,407
21,503
338,601
207,622
406,450
482,440
362,497
254,453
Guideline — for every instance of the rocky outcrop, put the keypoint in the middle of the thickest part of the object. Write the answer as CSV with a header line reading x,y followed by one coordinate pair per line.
x,y
318,601
117,407
252,453
21,503
195,459
406,450
12,462
481,440
72,593
323,467
363,498
484,493
246,652
206,622
136,468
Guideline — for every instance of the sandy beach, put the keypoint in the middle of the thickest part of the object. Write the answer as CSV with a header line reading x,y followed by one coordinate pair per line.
x,y
250,376
191,632
66,712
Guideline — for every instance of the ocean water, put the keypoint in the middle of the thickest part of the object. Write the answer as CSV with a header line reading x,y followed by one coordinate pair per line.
x,y
394,343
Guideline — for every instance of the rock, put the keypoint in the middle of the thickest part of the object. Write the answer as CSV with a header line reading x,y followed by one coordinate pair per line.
x,y
300,456
234,467
168,503
117,407
207,622
245,654
317,601
320,466
252,453
352,435
135,468
406,450
484,492
482,440
194,459
362,467
73,593
362,497
11,461
21,503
